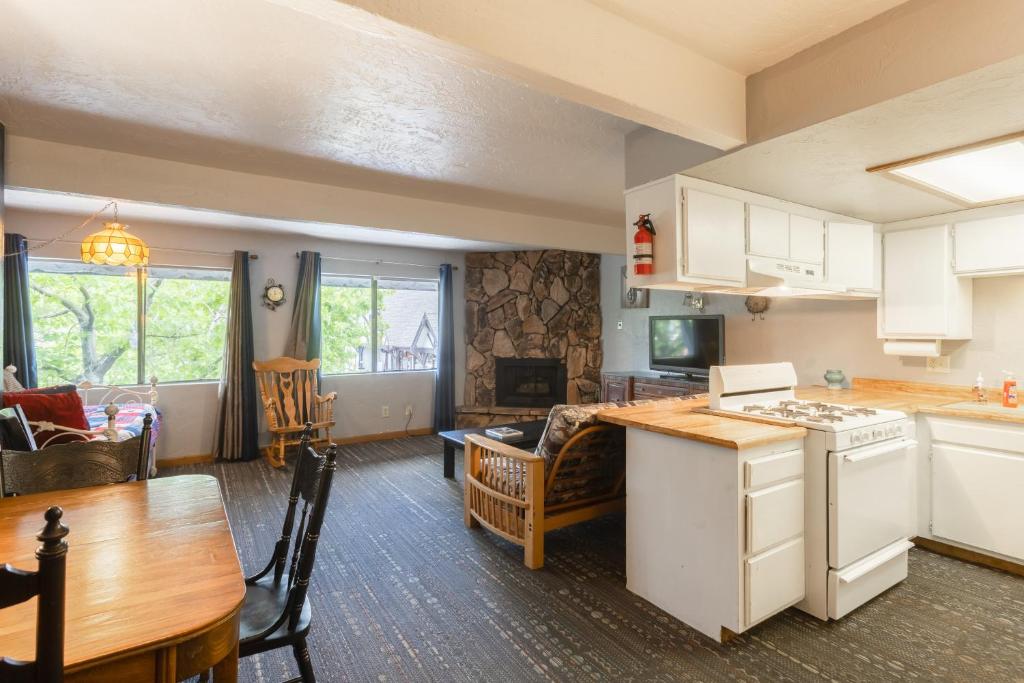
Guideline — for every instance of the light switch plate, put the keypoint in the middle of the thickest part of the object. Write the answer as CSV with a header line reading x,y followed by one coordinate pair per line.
x,y
938,364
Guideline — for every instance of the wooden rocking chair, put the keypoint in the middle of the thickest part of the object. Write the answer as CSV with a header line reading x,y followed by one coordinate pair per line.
x,y
288,392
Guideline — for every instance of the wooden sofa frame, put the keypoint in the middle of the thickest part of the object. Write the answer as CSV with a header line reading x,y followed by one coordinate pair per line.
x,y
505,491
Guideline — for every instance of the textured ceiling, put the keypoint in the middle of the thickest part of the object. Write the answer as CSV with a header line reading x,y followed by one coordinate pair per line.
x,y
252,86
747,35
823,165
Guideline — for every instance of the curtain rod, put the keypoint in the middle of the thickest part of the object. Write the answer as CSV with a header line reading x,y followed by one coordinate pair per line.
x,y
252,257
377,261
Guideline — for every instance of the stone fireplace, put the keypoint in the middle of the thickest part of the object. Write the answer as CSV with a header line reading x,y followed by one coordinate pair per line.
x,y
533,325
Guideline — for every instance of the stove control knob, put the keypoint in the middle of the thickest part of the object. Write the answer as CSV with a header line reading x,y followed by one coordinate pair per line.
x,y
855,438
877,434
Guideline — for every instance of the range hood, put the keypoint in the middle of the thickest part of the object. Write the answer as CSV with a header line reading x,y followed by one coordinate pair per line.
x,y
782,277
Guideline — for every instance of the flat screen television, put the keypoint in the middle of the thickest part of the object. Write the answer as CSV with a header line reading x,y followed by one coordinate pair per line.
x,y
687,344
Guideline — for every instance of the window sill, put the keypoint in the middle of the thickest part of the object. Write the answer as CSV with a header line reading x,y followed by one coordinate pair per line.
x,y
389,373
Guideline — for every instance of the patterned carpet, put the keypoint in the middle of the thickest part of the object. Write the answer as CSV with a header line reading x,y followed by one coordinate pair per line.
x,y
404,592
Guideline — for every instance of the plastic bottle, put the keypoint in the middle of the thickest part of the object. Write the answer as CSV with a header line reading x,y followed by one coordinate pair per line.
x,y
1009,390
980,395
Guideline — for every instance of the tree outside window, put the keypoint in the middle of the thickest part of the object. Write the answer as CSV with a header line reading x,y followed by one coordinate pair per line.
x,y
87,321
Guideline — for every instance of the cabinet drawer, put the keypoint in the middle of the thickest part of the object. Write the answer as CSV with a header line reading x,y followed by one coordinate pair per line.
x,y
774,514
772,468
774,580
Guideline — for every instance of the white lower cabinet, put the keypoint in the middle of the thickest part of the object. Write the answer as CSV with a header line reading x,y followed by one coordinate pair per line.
x,y
977,484
714,535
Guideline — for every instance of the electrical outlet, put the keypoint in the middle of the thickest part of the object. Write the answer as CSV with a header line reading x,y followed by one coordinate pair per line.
x,y
618,325
408,410
938,364
385,411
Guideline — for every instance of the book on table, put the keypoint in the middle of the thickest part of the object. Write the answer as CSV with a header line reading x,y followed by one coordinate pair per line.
x,y
508,434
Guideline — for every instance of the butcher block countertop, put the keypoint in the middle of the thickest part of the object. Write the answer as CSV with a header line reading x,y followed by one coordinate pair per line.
x,y
916,397
678,418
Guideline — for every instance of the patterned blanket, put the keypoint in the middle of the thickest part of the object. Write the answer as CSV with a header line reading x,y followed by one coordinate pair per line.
x,y
128,421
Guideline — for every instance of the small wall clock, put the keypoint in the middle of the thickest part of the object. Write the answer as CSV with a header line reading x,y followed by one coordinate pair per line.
x,y
273,294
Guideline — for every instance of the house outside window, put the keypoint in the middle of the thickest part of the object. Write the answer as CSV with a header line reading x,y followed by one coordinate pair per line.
x,y
122,326
378,324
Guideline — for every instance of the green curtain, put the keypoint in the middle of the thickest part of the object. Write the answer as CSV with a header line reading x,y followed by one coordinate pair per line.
x,y
444,382
237,430
19,348
305,335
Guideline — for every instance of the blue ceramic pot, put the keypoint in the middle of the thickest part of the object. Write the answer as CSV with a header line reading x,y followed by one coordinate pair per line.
x,y
835,379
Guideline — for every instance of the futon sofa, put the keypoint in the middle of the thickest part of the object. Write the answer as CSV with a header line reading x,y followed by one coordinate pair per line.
x,y
576,473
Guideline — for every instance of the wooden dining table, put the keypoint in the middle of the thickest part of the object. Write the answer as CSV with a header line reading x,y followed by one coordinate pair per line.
x,y
154,586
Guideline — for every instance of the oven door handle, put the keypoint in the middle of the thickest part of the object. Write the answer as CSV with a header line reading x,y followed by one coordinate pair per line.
x,y
855,573
858,456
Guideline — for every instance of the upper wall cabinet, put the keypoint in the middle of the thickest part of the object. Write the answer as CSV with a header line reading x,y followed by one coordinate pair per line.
x,y
774,233
707,233
922,298
854,256
699,236
989,246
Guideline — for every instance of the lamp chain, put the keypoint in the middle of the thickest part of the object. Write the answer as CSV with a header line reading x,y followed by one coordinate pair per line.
x,y
64,234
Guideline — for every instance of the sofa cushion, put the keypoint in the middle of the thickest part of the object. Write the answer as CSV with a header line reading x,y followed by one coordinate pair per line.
x,y
64,409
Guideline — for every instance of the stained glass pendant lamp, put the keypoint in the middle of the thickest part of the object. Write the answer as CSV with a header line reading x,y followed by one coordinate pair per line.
x,y
114,246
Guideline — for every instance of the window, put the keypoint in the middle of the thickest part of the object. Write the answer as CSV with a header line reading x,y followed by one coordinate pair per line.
x,y
86,322
405,320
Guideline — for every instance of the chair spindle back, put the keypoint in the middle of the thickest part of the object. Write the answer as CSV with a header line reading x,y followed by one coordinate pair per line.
x,y
288,389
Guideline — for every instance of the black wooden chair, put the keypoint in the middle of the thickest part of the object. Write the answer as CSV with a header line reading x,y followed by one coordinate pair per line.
x,y
276,612
17,586
75,465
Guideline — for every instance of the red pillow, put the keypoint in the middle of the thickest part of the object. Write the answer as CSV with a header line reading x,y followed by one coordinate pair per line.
x,y
64,409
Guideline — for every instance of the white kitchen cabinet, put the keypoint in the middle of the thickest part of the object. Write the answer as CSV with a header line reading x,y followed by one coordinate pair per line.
x,y
700,235
714,230
922,298
976,477
767,232
976,498
989,246
774,233
806,239
851,256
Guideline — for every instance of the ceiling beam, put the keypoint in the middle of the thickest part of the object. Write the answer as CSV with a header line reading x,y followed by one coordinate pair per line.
x,y
571,49
57,167
912,46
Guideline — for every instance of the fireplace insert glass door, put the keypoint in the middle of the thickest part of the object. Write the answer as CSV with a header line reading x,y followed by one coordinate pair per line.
x,y
529,382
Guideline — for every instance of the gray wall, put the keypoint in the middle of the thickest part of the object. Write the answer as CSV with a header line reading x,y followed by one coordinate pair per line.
x,y
652,154
818,335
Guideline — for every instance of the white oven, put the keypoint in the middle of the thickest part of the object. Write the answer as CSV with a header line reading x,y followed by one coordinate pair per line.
x,y
869,521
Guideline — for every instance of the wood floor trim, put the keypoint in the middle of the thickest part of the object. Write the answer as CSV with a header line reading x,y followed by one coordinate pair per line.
x,y
362,438
383,436
184,460
972,556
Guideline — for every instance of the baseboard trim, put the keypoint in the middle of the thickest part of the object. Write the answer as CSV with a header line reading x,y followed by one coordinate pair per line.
x,y
972,556
382,436
185,460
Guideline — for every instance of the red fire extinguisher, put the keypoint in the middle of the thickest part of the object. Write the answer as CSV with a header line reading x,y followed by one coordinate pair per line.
x,y
643,245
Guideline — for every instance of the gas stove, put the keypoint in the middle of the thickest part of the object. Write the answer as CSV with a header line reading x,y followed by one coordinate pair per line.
x,y
768,391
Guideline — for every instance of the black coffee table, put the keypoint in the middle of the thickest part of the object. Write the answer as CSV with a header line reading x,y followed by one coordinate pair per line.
x,y
457,439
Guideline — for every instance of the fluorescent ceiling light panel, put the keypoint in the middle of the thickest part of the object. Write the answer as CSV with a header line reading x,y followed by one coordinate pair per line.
x,y
977,176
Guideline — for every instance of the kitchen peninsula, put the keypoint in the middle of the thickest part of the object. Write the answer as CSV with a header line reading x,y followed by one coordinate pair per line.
x,y
714,515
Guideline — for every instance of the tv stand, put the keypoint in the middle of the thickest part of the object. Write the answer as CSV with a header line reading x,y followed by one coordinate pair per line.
x,y
693,377
630,385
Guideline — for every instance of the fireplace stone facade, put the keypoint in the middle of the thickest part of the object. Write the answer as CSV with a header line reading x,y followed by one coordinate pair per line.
x,y
530,304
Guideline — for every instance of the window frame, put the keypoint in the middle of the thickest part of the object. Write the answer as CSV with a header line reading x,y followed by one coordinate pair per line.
x,y
142,315
374,339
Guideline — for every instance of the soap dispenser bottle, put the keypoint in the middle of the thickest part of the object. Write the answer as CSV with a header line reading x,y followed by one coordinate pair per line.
x,y
1009,390
980,395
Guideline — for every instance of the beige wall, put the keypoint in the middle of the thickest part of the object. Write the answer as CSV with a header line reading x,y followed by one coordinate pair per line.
x,y
190,409
818,335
